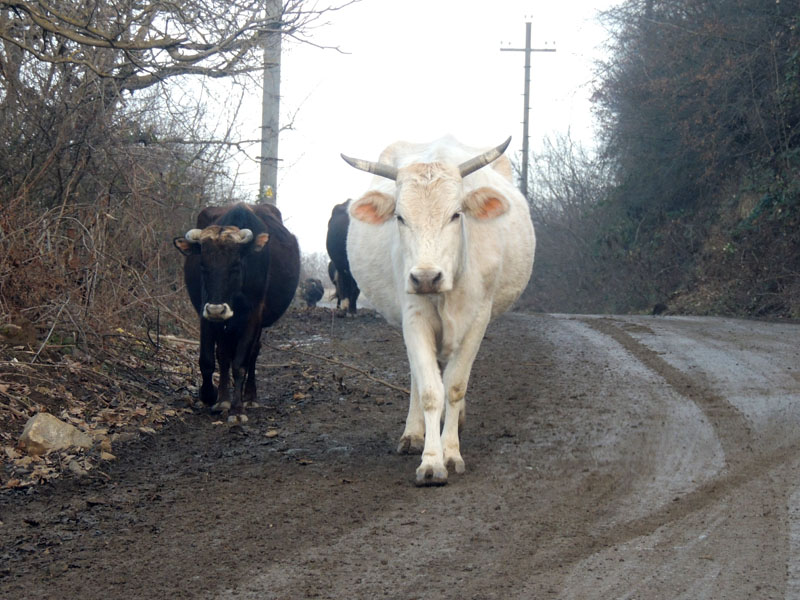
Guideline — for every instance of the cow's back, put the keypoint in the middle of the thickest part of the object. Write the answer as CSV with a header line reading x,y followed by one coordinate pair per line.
x,y
336,238
284,258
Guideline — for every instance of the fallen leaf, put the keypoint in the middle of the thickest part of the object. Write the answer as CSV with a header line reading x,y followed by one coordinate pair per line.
x,y
149,430
107,456
76,468
12,483
24,462
271,433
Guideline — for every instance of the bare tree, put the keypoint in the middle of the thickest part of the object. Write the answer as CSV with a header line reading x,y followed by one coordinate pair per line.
x,y
105,148
138,44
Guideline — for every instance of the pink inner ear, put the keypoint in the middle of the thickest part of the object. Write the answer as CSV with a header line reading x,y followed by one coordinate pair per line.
x,y
366,212
261,240
490,208
370,209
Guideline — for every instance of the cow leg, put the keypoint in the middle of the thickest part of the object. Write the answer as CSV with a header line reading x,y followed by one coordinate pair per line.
x,y
208,393
223,403
243,363
250,392
456,377
427,379
413,437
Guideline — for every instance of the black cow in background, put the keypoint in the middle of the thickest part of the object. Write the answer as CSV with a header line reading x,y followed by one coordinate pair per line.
x,y
241,270
336,242
312,291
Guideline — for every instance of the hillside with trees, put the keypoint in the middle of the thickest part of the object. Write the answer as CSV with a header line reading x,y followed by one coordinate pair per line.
x,y
693,199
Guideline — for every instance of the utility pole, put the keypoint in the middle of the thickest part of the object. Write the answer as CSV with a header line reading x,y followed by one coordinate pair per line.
x,y
527,50
270,107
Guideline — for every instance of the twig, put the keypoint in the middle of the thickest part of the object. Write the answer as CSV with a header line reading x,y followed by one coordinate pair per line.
x,y
49,333
170,339
341,364
12,410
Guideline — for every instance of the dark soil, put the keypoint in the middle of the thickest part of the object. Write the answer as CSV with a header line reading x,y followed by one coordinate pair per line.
x,y
310,500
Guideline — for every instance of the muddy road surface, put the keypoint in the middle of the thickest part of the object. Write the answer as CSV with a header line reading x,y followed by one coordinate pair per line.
x,y
607,457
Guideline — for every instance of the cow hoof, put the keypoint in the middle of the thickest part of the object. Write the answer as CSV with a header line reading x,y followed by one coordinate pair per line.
x,y
410,445
252,404
237,419
457,463
221,406
429,475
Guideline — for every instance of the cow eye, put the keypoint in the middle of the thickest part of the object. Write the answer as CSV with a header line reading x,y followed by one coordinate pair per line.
x,y
456,216
400,220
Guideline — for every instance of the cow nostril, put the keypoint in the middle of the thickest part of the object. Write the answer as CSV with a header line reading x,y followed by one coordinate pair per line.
x,y
438,278
414,279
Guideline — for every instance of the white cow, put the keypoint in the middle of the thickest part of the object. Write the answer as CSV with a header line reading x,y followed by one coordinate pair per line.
x,y
440,246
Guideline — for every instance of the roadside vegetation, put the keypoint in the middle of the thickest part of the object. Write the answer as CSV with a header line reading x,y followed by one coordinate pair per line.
x,y
108,146
692,198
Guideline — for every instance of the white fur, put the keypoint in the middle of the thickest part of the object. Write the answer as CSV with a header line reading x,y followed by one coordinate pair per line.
x,y
485,262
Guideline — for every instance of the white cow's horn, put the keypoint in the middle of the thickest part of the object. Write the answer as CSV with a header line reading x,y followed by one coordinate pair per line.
x,y
193,235
379,169
482,160
245,236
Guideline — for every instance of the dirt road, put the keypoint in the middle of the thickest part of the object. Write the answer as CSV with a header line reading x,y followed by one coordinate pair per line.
x,y
607,457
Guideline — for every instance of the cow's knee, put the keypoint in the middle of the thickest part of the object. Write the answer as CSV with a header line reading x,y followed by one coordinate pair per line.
x,y
431,399
456,393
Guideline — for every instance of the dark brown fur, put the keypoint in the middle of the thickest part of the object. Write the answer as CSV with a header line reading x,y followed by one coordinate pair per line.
x,y
336,243
259,285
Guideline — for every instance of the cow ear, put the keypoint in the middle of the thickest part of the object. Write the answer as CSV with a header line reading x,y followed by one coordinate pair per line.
x,y
373,207
485,203
260,241
185,247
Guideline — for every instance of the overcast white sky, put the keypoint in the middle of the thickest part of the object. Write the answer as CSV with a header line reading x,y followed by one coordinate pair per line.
x,y
416,70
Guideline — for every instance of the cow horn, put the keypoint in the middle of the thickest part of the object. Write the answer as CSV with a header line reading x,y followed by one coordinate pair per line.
x,y
244,236
193,235
379,169
482,160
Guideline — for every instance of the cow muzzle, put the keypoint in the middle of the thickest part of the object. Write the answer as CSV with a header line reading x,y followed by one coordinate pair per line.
x,y
217,312
425,281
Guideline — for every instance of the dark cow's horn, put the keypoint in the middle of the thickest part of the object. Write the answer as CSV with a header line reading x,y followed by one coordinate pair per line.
x,y
379,169
482,160
244,236
193,235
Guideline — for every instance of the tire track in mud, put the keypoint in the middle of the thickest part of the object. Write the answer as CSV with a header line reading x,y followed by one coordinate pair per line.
x,y
575,541
730,425
737,438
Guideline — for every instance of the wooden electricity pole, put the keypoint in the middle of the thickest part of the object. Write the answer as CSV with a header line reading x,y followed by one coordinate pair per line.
x,y
527,50
270,108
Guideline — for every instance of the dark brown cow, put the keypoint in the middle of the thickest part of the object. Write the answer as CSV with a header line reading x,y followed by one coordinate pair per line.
x,y
241,271
336,242
312,291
